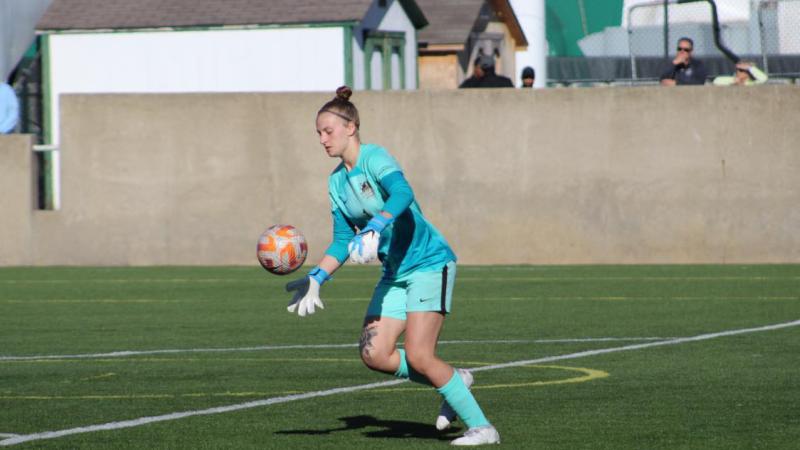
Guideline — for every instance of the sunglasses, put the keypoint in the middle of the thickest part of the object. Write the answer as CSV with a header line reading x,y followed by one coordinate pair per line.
x,y
684,49
741,70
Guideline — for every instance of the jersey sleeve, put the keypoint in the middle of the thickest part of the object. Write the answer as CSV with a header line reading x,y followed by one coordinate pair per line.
x,y
380,163
400,193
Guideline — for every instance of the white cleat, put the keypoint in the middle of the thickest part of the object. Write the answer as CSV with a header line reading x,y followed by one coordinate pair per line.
x,y
478,436
446,413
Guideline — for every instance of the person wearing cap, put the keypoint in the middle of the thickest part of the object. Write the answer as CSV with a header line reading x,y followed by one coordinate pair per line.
x,y
528,77
477,74
747,74
484,75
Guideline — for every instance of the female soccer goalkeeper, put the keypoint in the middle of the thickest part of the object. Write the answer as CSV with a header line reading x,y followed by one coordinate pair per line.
x,y
375,217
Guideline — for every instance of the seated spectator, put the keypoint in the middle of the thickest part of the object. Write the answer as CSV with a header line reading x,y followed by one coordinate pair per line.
x,y
684,70
747,74
528,77
484,66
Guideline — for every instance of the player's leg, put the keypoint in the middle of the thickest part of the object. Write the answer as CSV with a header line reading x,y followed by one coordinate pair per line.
x,y
384,323
429,299
378,343
422,331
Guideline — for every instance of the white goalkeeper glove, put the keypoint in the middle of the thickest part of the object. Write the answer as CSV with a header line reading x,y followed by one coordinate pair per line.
x,y
363,247
306,292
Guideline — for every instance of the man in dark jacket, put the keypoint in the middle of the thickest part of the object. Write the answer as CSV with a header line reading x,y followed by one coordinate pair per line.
x,y
684,69
484,76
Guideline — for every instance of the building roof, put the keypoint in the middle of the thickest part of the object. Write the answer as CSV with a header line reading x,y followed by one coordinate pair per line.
x,y
452,21
133,14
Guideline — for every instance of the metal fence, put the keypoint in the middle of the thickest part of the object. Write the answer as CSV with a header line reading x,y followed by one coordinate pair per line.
x,y
765,32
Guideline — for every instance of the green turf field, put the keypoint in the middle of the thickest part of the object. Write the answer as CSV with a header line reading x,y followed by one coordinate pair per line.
x,y
220,337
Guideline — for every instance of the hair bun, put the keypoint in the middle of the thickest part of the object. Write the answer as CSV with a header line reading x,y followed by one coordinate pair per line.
x,y
344,93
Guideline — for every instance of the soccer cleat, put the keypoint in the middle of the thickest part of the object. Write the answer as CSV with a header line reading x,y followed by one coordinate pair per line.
x,y
446,413
478,436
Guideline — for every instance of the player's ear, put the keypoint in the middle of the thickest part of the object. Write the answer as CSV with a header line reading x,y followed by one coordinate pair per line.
x,y
351,128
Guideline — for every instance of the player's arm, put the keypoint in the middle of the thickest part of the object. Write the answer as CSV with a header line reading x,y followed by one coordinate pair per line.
x,y
306,289
400,195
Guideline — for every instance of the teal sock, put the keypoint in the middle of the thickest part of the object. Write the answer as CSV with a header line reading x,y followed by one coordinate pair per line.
x,y
407,372
459,398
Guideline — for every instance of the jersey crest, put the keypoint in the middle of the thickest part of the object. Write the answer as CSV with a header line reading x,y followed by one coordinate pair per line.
x,y
366,190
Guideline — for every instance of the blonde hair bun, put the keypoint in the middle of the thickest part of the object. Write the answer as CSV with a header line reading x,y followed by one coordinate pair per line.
x,y
344,93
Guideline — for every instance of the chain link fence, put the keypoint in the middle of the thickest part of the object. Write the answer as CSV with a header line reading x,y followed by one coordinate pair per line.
x,y
764,32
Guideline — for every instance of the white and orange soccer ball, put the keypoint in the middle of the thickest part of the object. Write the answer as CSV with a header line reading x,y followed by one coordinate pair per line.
x,y
282,249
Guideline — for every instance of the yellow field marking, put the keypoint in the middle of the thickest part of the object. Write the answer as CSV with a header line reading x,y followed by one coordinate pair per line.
x,y
204,360
648,298
144,396
100,377
588,375
130,280
95,300
597,298
366,299
470,278
484,278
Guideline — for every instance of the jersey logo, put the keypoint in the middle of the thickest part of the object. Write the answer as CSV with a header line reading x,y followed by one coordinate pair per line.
x,y
366,190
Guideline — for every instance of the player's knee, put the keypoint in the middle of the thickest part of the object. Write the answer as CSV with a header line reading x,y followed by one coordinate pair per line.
x,y
418,360
370,351
374,359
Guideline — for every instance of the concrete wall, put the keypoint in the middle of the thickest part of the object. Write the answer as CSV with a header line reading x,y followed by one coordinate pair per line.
x,y
622,175
16,199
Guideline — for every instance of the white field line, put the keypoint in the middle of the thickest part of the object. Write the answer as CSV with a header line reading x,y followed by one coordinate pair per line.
x,y
343,390
5,435
124,353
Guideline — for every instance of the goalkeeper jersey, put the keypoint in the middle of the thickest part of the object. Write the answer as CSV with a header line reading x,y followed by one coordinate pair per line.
x,y
410,243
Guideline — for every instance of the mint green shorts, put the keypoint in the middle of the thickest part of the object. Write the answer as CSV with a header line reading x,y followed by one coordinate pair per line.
x,y
415,292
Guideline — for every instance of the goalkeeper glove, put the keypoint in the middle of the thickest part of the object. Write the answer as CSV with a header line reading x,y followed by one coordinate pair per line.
x,y
363,247
306,292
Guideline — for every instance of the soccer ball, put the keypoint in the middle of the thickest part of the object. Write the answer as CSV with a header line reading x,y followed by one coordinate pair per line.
x,y
282,249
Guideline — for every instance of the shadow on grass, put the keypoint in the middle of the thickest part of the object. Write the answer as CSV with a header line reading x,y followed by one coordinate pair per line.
x,y
387,429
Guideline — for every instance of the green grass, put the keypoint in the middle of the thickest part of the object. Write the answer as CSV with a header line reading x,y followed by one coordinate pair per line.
x,y
731,392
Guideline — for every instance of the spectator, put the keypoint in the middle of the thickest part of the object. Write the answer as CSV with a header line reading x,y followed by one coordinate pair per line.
x,y
684,70
9,109
477,75
528,77
484,76
747,74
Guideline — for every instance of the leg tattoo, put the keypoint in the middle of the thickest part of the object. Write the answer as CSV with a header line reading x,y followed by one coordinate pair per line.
x,y
365,342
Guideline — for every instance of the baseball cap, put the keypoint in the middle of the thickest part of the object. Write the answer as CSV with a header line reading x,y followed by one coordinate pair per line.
x,y
485,61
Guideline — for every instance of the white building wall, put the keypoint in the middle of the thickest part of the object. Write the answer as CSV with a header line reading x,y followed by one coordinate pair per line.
x,y
531,17
256,60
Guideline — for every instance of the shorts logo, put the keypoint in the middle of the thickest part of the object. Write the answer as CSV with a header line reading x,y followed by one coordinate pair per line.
x,y
366,190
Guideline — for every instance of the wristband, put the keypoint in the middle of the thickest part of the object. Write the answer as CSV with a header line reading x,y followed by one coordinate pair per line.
x,y
319,275
378,223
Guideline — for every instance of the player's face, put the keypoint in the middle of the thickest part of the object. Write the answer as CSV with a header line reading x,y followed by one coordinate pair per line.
x,y
334,133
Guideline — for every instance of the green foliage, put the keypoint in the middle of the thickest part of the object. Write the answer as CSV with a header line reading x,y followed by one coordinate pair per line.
x,y
730,392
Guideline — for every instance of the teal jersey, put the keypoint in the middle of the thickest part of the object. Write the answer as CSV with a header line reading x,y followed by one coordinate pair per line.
x,y
410,243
